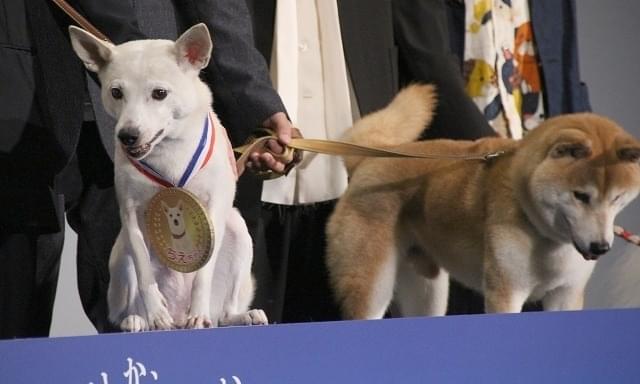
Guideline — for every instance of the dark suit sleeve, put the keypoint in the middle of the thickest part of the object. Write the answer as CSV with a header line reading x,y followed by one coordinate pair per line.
x,y
115,18
238,74
422,36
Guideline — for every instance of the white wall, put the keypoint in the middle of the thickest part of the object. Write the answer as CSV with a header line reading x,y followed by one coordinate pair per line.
x,y
68,317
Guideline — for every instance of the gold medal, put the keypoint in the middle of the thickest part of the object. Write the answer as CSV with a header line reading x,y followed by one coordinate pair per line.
x,y
179,230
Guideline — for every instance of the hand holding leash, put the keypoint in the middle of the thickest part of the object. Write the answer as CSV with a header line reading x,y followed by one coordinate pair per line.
x,y
270,155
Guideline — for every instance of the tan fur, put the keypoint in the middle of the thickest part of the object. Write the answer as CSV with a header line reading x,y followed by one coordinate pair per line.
x,y
506,227
411,110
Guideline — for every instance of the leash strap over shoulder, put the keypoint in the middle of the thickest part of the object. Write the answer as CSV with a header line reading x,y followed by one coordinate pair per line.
x,y
80,20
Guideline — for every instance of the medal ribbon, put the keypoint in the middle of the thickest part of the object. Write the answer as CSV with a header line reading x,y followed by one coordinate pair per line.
x,y
200,158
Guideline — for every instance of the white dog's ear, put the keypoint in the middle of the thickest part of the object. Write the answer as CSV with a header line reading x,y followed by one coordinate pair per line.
x,y
93,52
194,47
165,207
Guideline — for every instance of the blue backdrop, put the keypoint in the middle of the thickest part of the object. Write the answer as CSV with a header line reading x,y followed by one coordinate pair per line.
x,y
564,347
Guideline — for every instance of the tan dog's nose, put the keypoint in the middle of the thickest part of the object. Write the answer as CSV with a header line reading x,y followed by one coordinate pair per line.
x,y
599,248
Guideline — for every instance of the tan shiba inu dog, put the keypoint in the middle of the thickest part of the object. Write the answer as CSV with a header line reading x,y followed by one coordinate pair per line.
x,y
526,225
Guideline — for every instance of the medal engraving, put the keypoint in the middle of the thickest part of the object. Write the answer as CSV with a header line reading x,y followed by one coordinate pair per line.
x,y
179,230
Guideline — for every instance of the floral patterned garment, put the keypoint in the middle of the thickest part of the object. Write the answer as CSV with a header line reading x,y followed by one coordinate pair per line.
x,y
500,65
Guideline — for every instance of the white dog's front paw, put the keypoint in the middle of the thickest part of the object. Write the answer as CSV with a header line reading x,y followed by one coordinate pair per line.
x,y
198,322
160,319
158,315
133,323
257,317
252,317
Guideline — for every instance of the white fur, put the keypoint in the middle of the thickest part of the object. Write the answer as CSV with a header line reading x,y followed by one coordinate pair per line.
x,y
143,293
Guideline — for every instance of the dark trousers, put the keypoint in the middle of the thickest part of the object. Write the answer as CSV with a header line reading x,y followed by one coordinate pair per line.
x,y
29,262
290,265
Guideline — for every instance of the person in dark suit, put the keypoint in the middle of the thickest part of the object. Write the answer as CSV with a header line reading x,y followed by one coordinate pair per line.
x,y
387,44
51,162
52,159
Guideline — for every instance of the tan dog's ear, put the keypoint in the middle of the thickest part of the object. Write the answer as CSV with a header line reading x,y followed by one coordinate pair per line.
x,y
93,52
576,149
194,47
630,154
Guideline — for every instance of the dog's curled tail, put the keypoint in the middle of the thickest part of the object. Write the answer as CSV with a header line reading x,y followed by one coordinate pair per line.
x,y
402,121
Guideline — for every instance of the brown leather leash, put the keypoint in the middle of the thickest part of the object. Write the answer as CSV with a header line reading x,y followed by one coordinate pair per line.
x,y
80,20
340,148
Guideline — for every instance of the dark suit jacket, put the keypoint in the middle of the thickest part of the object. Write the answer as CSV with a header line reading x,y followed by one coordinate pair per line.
x,y
237,74
554,28
42,103
390,43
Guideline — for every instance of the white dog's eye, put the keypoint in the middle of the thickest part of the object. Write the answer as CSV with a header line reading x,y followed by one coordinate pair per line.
x,y
583,197
116,93
159,94
615,199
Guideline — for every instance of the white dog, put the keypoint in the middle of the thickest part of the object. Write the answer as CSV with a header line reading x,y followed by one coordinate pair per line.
x,y
152,88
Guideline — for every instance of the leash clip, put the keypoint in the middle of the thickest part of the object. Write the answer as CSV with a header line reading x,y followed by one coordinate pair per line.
x,y
492,155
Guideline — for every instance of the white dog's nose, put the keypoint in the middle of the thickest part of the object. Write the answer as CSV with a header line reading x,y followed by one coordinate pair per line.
x,y
129,136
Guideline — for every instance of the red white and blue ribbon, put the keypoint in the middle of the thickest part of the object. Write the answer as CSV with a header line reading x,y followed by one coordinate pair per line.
x,y
200,158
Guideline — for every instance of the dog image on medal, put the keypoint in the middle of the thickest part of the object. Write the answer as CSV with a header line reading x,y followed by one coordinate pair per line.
x,y
527,224
170,145
181,239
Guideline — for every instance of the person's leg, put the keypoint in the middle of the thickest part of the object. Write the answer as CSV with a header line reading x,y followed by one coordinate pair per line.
x,y
271,260
94,215
29,266
308,296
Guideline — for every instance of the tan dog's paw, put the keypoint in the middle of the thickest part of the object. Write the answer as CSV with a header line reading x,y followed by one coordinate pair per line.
x,y
133,323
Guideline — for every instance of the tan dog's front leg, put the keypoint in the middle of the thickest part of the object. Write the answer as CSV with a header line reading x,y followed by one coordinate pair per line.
x,y
564,299
500,294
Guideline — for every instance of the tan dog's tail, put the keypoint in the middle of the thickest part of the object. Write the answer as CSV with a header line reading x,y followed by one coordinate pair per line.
x,y
402,121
